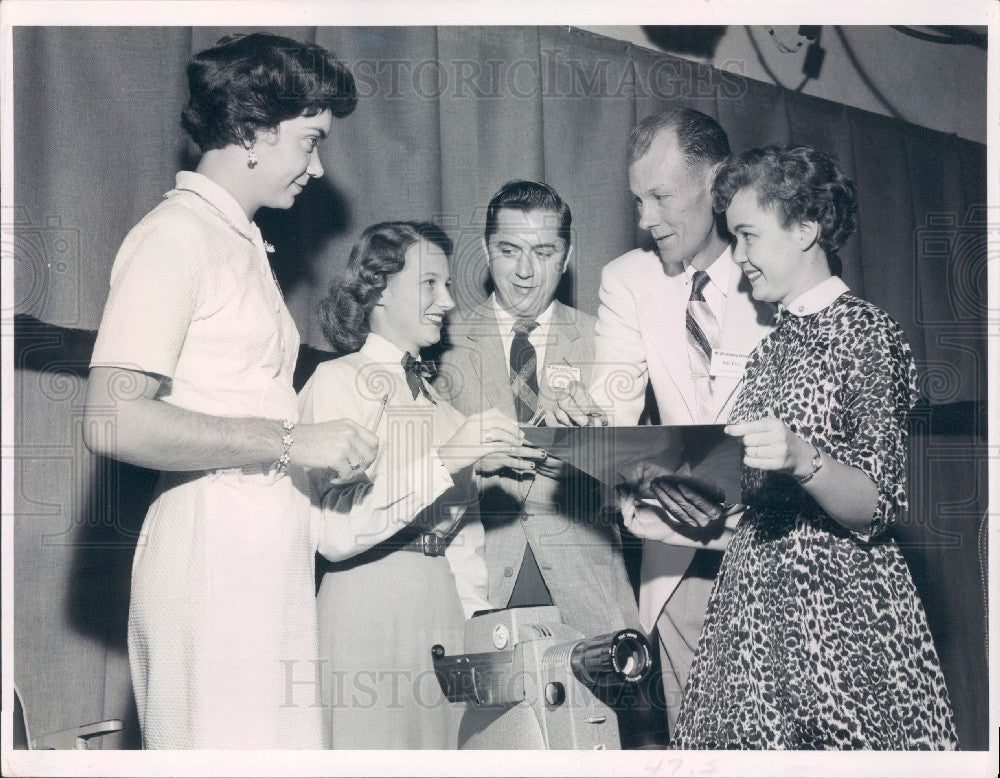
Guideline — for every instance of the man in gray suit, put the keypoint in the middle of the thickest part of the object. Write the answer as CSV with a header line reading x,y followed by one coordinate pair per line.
x,y
547,540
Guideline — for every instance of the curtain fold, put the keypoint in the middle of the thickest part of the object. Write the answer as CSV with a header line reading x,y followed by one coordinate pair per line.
x,y
97,141
586,150
446,115
491,132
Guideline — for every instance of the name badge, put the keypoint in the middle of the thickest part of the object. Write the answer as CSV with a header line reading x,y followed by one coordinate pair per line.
x,y
559,377
728,364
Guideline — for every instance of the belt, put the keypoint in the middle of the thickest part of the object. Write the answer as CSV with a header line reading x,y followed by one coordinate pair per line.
x,y
428,544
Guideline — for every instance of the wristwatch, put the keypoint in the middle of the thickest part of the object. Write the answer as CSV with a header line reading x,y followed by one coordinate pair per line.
x,y
816,463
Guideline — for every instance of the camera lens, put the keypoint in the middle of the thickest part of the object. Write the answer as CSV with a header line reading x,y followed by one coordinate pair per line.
x,y
618,657
630,656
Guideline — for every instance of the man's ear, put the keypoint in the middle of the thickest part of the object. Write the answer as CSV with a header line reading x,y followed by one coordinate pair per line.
x,y
711,171
486,251
568,257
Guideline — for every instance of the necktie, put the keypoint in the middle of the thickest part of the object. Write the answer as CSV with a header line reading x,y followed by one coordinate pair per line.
x,y
523,370
702,330
416,375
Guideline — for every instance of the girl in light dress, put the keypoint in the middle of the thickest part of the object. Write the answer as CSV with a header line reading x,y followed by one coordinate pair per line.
x,y
404,544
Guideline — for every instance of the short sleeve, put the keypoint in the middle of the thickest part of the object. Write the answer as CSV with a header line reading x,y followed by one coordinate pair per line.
x,y
879,389
154,295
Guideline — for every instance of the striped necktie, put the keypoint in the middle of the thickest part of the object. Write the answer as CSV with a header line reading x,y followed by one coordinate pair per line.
x,y
702,330
524,370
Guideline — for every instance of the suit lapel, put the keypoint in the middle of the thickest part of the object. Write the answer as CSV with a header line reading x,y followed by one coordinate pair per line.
x,y
489,361
663,313
746,320
562,342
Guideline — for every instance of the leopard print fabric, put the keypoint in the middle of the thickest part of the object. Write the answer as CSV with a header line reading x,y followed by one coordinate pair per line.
x,y
814,636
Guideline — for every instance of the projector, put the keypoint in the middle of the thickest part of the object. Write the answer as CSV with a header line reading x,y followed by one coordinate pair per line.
x,y
532,682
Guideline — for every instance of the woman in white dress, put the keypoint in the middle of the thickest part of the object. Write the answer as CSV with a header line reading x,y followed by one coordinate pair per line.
x,y
192,375
405,542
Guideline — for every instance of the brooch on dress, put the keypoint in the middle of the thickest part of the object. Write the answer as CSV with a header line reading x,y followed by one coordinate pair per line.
x,y
268,247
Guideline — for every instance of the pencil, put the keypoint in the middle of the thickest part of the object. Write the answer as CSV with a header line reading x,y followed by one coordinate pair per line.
x,y
373,425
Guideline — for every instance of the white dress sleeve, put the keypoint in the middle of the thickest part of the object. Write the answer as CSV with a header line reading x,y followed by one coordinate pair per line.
x,y
153,297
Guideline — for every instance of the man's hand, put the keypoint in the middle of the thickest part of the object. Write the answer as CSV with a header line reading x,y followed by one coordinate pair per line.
x,y
686,503
552,467
686,506
572,407
491,441
522,460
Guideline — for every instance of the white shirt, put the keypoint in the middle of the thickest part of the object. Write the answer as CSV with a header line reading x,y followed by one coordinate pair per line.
x,y
538,337
718,283
193,299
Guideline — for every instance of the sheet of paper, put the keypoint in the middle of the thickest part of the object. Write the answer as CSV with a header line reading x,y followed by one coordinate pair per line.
x,y
701,450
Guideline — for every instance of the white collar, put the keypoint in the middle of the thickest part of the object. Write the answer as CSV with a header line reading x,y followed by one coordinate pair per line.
x,y
220,199
507,320
819,297
380,350
718,271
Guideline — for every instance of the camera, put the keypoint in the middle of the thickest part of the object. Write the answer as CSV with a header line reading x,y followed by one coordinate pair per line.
x,y
532,682
46,261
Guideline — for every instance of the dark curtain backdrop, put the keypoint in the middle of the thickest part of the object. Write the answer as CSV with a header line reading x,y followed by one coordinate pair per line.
x,y
446,115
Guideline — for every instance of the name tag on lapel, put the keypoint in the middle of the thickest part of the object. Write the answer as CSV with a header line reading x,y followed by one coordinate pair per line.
x,y
728,364
560,376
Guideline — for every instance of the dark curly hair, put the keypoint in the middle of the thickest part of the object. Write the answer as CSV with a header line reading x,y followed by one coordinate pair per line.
x,y
801,182
252,82
379,253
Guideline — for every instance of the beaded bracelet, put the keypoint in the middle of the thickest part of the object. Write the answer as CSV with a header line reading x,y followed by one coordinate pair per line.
x,y
286,440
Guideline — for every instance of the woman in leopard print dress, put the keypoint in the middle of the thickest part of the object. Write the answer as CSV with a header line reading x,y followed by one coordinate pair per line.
x,y
815,637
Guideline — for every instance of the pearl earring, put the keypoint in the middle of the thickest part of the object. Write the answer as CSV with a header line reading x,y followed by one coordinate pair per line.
x,y
251,156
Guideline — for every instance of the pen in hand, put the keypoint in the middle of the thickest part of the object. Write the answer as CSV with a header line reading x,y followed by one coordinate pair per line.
x,y
373,424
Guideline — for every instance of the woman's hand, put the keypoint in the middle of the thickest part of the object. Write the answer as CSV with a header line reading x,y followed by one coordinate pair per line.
x,y
343,446
493,442
768,444
846,493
